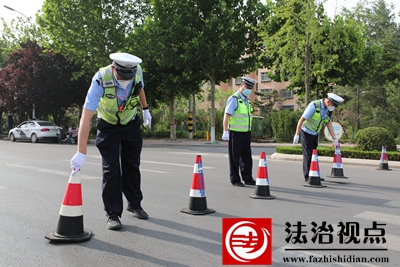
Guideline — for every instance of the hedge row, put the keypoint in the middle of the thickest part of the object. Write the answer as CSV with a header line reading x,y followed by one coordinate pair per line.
x,y
347,152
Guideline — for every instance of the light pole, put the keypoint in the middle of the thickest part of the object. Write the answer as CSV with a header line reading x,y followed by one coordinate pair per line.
x,y
12,9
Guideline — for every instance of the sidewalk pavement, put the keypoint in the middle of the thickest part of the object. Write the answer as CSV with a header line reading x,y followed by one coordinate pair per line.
x,y
277,156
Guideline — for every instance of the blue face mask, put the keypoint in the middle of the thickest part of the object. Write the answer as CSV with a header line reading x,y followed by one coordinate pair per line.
x,y
246,92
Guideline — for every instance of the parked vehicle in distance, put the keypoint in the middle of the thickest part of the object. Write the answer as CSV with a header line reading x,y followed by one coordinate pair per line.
x,y
34,130
68,137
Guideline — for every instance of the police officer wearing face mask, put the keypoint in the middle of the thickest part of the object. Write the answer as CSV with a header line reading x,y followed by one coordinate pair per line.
x,y
315,116
237,130
115,92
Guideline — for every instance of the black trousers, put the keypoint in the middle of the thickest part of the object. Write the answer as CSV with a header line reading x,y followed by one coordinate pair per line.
x,y
309,142
120,147
240,159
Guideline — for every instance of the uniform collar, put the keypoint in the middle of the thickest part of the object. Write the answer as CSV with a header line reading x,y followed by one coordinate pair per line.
x,y
242,95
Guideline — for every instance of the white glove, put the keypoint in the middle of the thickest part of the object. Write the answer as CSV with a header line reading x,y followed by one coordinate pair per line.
x,y
77,161
295,139
146,118
335,142
225,136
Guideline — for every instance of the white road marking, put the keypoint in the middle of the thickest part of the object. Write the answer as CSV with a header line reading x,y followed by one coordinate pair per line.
x,y
164,163
61,173
381,217
392,241
201,154
395,204
142,170
173,164
145,170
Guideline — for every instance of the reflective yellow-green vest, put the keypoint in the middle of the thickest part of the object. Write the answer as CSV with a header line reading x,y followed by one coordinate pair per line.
x,y
315,122
241,119
108,108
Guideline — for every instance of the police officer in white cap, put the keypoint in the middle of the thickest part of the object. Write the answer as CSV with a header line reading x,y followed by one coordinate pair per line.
x,y
237,130
115,92
315,116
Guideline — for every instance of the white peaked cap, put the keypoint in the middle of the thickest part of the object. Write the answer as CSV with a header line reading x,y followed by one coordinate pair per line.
x,y
336,100
125,60
249,82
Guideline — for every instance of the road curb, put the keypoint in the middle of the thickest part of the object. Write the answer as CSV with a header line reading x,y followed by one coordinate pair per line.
x,y
345,161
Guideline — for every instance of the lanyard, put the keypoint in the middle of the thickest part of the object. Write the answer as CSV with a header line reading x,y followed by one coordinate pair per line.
x,y
121,101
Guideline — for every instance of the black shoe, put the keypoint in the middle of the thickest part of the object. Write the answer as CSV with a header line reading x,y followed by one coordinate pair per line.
x,y
252,182
113,222
138,213
322,179
238,184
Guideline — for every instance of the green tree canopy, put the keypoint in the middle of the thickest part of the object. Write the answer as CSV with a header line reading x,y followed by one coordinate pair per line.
x,y
308,49
88,31
211,40
377,97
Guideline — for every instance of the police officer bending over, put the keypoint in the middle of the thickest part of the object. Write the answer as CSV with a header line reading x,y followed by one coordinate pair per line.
x,y
115,92
315,116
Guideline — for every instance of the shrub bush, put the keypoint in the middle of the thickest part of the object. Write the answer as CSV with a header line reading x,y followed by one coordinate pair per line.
x,y
347,152
373,138
283,124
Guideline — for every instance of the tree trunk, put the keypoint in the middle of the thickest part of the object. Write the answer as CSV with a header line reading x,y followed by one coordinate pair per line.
x,y
212,133
358,108
172,125
307,69
384,99
194,117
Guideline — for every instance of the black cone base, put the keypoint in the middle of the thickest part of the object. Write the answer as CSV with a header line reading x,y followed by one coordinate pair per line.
x,y
337,173
70,230
197,206
262,192
314,182
384,167
54,237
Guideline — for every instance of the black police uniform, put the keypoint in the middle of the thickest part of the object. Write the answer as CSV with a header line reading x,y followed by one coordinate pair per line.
x,y
120,147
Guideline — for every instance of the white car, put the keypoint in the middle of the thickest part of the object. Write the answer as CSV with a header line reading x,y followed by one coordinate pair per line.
x,y
34,130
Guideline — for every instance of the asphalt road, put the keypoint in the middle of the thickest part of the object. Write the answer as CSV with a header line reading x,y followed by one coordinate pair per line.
x,y
33,179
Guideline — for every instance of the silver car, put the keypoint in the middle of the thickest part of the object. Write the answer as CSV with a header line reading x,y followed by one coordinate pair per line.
x,y
34,130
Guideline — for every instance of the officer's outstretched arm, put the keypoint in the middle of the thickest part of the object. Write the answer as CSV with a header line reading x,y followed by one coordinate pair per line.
x,y
225,122
84,129
142,99
299,124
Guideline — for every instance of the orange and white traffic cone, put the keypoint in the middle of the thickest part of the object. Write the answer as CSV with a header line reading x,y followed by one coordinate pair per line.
x,y
337,169
198,201
314,179
262,183
70,223
384,164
